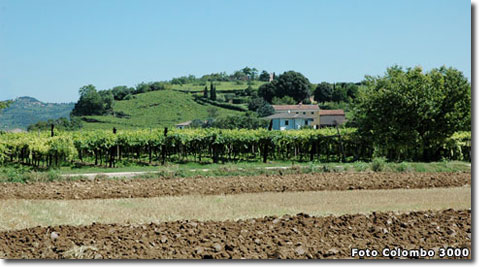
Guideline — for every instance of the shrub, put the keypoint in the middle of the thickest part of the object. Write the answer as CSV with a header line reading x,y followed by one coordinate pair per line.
x,y
403,167
360,166
378,164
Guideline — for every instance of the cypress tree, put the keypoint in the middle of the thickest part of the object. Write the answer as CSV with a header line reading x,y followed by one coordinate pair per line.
x,y
213,92
206,93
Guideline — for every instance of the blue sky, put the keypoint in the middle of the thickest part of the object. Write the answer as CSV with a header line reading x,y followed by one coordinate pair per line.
x,y
49,49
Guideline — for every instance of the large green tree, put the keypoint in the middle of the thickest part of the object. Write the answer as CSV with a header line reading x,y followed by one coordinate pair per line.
x,y
408,113
323,92
294,85
290,83
91,102
267,91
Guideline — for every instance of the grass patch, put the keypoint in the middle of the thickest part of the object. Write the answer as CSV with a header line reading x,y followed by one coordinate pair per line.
x,y
22,174
18,214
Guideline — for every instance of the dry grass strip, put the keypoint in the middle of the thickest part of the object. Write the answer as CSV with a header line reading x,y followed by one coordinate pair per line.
x,y
19,214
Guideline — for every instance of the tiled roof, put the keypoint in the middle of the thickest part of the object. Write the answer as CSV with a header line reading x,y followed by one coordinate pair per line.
x,y
332,112
299,107
288,116
185,123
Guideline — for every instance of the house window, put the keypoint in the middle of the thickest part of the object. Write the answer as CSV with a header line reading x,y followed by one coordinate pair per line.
x,y
304,113
297,112
306,122
287,122
313,112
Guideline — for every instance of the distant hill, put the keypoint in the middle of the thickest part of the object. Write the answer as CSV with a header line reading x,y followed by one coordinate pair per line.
x,y
154,109
27,110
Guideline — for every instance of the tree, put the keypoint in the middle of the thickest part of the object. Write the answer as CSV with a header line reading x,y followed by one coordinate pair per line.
x,y
264,76
249,91
248,121
120,92
339,92
265,110
60,124
409,114
213,94
255,103
323,92
197,123
108,101
285,100
89,103
352,90
206,93
267,91
142,88
292,84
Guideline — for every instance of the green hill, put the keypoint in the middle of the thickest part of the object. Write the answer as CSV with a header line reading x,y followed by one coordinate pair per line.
x,y
152,110
27,110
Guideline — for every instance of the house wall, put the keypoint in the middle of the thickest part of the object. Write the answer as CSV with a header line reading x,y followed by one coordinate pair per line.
x,y
279,124
276,124
315,115
330,119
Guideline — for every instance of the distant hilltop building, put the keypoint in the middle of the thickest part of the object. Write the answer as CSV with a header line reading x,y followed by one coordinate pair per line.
x,y
271,76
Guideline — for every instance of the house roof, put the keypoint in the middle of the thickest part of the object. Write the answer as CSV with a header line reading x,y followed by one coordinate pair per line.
x,y
288,116
16,130
332,112
298,107
185,123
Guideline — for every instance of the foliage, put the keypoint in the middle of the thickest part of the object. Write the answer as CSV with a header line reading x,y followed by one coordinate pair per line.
x,y
61,124
213,94
264,76
248,121
378,164
255,103
122,92
267,91
292,84
408,114
206,92
323,92
98,146
219,103
265,110
338,92
92,102
285,100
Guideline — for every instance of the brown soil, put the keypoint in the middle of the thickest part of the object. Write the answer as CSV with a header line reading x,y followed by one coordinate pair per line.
x,y
293,237
129,188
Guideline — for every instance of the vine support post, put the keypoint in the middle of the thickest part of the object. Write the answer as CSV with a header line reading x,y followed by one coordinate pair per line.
x,y
164,146
342,153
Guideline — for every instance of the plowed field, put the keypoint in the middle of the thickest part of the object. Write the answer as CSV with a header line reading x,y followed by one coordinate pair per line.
x,y
143,188
224,218
295,237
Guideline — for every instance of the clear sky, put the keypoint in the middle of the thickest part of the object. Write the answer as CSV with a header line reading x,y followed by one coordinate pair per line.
x,y
49,49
